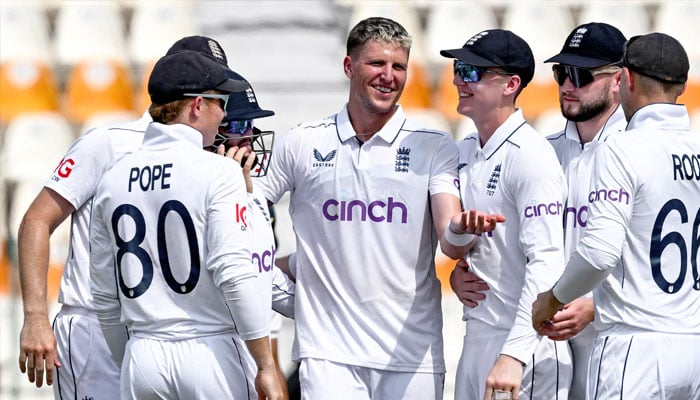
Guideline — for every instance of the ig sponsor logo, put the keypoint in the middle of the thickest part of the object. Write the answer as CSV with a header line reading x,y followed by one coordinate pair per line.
x,y
64,168
242,216
376,211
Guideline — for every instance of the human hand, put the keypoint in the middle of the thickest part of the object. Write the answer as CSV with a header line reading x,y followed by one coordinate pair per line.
x,y
268,385
246,158
474,222
467,285
506,375
38,357
570,320
543,308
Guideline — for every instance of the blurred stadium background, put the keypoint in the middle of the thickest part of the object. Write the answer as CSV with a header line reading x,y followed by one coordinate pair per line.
x,y
69,65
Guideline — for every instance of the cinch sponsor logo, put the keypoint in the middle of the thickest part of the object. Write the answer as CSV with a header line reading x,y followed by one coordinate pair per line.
x,y
265,260
686,167
324,161
537,210
65,167
619,195
579,216
358,210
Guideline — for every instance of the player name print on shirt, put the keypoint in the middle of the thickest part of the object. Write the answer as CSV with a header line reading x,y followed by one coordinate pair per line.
x,y
686,167
150,177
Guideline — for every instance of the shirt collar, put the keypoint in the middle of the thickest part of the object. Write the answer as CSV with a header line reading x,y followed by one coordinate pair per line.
x,y
504,132
662,116
388,132
617,117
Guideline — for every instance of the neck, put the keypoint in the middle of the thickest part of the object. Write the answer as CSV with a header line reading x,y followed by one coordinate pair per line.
x,y
587,130
487,125
366,124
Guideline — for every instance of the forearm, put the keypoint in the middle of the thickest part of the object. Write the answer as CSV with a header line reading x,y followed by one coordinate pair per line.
x,y
579,278
261,351
33,255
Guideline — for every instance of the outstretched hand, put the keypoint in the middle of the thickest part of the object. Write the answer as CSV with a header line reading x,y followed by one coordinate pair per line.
x,y
475,222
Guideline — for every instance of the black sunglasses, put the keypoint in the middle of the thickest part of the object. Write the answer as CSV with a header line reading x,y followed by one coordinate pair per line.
x,y
580,77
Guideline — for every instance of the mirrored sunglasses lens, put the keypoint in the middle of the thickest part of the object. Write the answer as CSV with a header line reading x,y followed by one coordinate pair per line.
x,y
468,73
239,127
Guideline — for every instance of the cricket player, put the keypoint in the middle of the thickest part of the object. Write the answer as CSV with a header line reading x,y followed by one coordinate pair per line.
x,y
371,192
588,73
170,249
240,139
508,168
74,353
640,247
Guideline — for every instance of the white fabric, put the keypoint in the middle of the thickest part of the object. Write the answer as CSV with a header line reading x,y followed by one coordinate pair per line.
x,y
318,378
366,293
203,368
88,370
457,239
545,377
576,159
76,179
647,191
198,202
649,365
515,174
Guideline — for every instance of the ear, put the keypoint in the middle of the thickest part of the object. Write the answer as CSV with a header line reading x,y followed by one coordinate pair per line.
x,y
196,106
630,79
512,85
685,86
347,66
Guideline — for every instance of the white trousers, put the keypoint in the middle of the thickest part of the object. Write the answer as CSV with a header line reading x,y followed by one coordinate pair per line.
x,y
323,379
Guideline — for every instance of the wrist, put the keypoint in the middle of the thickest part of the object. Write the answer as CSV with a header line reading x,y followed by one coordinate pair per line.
x,y
457,239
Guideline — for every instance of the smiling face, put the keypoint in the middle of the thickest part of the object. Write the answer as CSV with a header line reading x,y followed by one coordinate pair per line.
x,y
377,73
479,99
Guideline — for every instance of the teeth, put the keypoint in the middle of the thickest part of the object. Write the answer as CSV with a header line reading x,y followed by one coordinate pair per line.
x,y
383,89
462,94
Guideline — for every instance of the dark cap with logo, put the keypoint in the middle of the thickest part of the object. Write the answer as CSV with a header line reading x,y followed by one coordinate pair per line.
x,y
657,56
591,45
497,48
201,44
188,72
242,103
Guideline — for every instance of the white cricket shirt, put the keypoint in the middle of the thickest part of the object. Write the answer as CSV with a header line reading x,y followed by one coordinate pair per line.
x,y
515,174
170,246
576,158
644,225
75,179
367,292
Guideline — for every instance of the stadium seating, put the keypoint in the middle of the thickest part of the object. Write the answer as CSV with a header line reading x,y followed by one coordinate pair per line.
x,y
451,22
26,86
88,30
629,16
679,19
24,32
156,25
98,86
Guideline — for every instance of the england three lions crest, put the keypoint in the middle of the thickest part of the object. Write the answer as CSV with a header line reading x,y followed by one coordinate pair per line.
x,y
403,158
